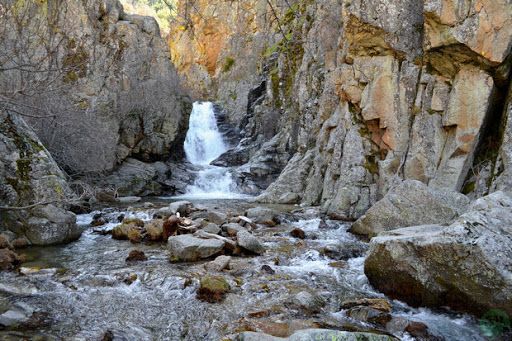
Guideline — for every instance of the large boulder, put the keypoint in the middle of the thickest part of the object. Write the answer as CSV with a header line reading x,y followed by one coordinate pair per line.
x,y
467,265
189,249
409,204
29,177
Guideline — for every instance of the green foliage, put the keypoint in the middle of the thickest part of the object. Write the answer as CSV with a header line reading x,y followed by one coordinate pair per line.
x,y
228,64
162,10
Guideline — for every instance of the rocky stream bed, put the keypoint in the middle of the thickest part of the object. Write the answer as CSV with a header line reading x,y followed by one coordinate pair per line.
x,y
310,276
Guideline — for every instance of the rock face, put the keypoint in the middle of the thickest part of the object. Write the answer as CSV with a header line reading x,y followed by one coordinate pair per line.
x,y
28,176
345,99
466,265
116,95
411,203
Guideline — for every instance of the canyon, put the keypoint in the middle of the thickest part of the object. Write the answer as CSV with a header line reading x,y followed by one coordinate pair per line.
x,y
335,151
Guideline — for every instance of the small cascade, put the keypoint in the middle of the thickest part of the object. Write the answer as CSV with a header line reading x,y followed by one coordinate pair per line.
x,y
203,144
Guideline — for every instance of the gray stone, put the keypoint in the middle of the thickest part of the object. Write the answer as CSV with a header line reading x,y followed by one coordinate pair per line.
x,y
130,200
249,242
220,263
29,175
184,208
409,204
212,228
465,265
262,215
309,302
232,229
216,217
189,249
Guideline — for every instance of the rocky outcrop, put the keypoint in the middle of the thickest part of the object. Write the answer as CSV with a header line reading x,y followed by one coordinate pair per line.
x,y
358,96
115,94
466,265
411,203
34,195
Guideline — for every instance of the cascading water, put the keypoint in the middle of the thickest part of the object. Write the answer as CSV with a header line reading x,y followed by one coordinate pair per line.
x,y
203,144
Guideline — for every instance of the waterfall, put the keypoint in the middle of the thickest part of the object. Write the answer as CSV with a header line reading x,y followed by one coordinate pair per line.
x,y
203,144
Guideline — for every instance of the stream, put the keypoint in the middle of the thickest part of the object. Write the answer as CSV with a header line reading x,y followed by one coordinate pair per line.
x,y
86,290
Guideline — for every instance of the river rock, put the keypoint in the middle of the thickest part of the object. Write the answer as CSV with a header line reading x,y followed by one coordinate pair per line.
x,y
184,208
212,289
8,259
308,302
52,225
128,229
4,242
249,242
317,334
188,248
212,228
262,215
465,265
136,256
128,200
154,230
409,204
345,250
220,263
216,217
232,229
298,233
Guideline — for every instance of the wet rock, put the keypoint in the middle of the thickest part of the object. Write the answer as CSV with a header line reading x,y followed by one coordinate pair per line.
x,y
344,251
409,204
250,243
135,235
232,229
281,329
317,334
246,222
16,315
128,200
170,227
381,304
184,208
268,269
136,256
262,215
129,227
368,314
189,248
464,265
19,243
155,230
212,228
8,259
212,289
4,242
108,336
339,264
98,220
298,233
309,302
130,279
220,263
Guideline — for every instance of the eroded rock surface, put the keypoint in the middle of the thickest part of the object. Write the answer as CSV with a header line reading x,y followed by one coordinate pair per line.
x,y
466,265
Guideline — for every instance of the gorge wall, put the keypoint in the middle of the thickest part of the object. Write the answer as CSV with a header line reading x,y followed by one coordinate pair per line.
x,y
98,87
338,101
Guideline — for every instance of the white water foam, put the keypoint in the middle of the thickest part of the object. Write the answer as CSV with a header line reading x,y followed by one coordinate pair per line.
x,y
203,144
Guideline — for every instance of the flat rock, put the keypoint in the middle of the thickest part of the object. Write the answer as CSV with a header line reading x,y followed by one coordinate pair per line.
x,y
262,215
189,248
409,204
